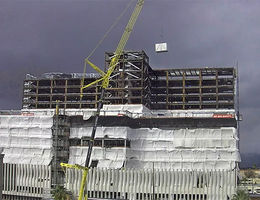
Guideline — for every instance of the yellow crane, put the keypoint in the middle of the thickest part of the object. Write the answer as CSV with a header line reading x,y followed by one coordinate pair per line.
x,y
105,75
119,50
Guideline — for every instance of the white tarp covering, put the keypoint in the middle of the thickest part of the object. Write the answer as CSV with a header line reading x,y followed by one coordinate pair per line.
x,y
201,148
136,111
111,132
114,157
26,139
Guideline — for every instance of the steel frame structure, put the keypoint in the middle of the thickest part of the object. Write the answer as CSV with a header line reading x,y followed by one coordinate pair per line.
x,y
134,82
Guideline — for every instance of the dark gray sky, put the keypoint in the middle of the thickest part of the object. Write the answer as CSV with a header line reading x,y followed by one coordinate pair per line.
x,y
38,36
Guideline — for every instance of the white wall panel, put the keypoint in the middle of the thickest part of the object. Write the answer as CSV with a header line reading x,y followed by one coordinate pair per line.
x,y
200,148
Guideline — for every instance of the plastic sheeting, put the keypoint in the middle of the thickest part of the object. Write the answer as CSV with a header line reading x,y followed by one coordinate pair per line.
x,y
113,157
214,148
135,111
26,139
111,132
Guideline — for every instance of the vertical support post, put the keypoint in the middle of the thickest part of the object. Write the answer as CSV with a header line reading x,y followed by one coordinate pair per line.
x,y
37,94
96,96
142,79
66,94
57,108
167,89
183,90
51,91
200,88
217,106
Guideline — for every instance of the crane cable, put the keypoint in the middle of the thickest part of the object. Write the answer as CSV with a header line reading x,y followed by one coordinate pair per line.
x,y
105,36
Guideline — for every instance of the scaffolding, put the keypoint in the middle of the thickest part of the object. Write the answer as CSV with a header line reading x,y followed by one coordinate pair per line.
x,y
60,136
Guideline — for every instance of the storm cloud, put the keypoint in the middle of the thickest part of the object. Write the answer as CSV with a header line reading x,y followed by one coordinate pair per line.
x,y
38,36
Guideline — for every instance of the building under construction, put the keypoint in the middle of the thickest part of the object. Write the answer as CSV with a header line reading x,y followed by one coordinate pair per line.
x,y
135,82
156,123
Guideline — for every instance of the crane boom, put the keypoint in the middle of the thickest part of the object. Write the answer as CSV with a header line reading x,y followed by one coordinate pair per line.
x,y
123,41
105,76
119,50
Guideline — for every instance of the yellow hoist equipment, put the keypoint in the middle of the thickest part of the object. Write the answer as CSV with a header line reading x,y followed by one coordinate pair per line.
x,y
105,76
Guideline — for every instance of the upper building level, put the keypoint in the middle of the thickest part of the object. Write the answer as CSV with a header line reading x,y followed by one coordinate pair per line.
x,y
135,82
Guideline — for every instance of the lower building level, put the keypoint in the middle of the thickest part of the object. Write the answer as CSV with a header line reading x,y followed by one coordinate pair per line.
x,y
128,137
